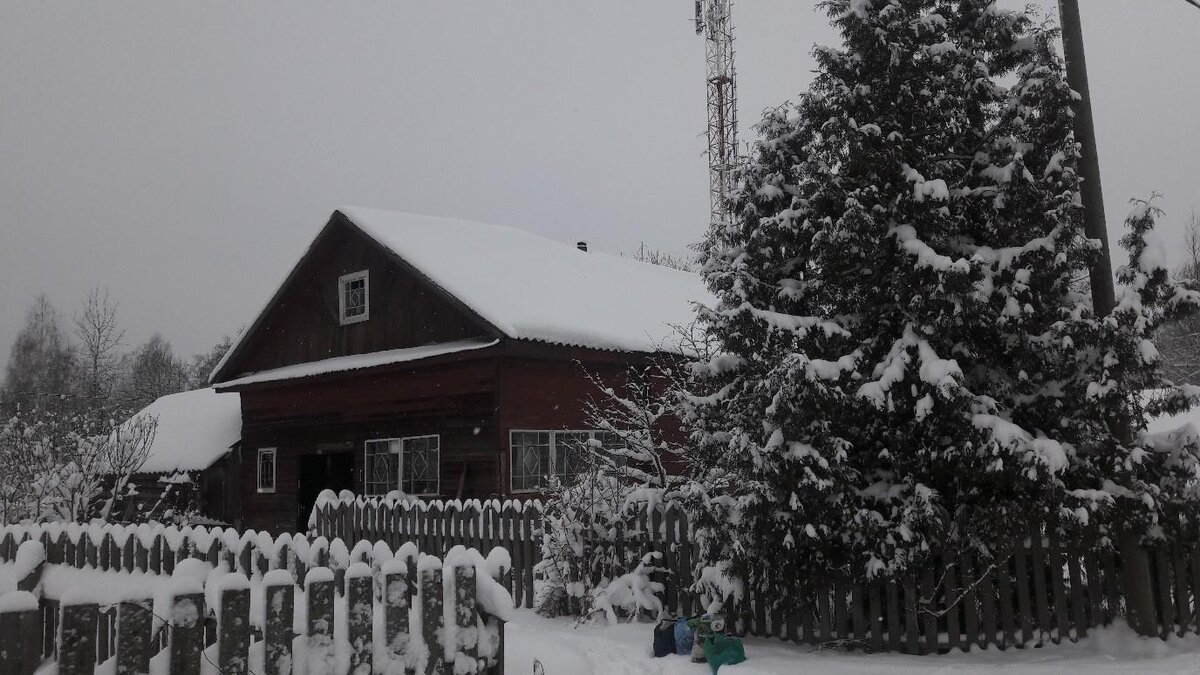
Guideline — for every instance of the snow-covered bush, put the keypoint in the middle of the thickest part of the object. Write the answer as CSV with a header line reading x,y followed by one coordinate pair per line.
x,y
57,463
902,348
591,561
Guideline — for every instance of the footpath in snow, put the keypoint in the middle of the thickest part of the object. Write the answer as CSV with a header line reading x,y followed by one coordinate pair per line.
x,y
563,649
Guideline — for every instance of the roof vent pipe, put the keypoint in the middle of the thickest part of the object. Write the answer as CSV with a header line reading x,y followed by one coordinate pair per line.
x,y
581,245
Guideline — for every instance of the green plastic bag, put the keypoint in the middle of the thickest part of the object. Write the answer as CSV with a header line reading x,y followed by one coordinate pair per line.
x,y
721,650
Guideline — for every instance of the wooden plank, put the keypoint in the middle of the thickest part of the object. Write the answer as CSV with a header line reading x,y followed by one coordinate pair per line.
x,y
912,608
952,601
77,639
528,528
233,645
1112,586
969,578
892,602
431,608
20,646
398,595
841,613
1095,588
1162,577
465,611
1005,596
927,608
1078,604
1180,575
858,614
824,610
280,601
1194,554
986,592
360,605
1055,570
320,622
134,620
875,617
1041,597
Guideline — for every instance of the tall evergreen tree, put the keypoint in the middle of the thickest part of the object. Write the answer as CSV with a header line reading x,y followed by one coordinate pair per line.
x,y
903,350
40,362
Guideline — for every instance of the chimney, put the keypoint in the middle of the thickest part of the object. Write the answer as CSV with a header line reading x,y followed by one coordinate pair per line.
x,y
581,245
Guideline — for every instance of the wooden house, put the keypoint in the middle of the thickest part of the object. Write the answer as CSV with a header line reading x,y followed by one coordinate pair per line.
x,y
438,357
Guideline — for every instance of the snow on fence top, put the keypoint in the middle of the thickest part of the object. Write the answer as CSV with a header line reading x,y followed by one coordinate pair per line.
x,y
195,429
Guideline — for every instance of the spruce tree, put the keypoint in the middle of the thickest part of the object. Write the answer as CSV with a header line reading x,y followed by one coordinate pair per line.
x,y
908,360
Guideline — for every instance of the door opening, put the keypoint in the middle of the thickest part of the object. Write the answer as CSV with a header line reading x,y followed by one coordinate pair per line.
x,y
329,471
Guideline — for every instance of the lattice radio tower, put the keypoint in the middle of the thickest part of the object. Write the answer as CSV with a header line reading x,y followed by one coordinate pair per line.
x,y
715,22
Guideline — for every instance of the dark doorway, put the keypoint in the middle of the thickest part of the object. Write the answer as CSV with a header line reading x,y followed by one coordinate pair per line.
x,y
328,471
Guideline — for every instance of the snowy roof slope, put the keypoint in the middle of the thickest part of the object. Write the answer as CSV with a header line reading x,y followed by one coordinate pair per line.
x,y
534,288
195,429
339,364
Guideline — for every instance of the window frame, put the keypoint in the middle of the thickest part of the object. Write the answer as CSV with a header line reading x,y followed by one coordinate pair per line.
x,y
344,281
553,468
258,466
437,490
400,466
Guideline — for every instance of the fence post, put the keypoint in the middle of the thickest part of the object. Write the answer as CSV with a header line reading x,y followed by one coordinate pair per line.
x,y
77,644
321,657
398,592
133,636
1136,584
280,599
360,596
431,613
233,643
187,633
465,613
20,632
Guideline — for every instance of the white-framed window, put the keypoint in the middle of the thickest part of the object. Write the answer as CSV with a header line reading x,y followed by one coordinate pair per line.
x,y
536,455
354,294
266,469
411,464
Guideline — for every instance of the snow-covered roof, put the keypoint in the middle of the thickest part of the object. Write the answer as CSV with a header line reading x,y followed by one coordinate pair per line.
x,y
195,429
534,288
339,364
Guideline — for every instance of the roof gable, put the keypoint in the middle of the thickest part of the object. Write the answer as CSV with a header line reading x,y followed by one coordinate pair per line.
x,y
301,323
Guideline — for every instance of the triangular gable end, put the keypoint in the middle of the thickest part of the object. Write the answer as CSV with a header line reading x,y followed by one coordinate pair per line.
x,y
306,323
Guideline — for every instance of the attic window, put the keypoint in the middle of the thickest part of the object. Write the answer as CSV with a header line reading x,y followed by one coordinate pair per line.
x,y
353,294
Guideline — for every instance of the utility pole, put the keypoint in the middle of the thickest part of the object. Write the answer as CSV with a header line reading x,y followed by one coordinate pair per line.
x,y
1103,294
1135,565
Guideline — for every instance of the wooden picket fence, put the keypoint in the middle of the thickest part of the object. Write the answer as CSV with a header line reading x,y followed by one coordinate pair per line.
x,y
437,526
157,549
1041,591
78,636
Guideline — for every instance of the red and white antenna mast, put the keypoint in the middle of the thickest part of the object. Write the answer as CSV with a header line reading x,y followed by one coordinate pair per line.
x,y
715,22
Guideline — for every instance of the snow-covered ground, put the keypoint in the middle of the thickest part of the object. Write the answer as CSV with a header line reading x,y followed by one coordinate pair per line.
x,y
624,649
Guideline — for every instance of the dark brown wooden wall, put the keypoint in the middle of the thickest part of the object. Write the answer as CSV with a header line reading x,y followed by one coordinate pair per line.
x,y
454,399
304,324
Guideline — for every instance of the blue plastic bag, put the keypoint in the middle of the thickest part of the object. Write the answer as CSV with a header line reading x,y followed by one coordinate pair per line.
x,y
684,637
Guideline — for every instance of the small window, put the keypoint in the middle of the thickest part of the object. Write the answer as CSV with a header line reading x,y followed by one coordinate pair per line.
x,y
530,459
411,465
266,469
354,291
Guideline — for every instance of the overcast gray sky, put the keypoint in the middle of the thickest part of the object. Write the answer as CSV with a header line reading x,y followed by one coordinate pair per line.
x,y
183,153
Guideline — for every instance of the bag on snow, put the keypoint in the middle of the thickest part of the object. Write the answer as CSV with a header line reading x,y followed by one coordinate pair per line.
x,y
664,638
722,650
684,637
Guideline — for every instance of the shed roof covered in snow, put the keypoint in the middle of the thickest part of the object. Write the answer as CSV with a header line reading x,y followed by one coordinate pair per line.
x,y
516,285
195,429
